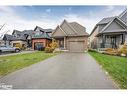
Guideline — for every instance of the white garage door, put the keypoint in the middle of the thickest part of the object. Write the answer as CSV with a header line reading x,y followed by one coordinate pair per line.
x,y
76,46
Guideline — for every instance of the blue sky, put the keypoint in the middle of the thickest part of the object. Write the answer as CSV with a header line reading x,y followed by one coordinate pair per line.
x,y
27,17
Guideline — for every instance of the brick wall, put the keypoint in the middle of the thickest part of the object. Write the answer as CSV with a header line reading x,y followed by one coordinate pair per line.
x,y
44,41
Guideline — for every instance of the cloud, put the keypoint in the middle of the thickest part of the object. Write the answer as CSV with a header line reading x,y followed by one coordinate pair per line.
x,y
48,10
89,19
15,21
110,8
70,8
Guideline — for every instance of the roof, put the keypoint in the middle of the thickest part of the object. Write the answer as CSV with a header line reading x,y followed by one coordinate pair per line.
x,y
106,20
124,12
45,33
81,30
72,29
41,29
16,31
28,32
7,37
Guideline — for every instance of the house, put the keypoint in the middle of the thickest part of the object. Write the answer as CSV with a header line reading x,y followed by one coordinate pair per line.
x,y
1,42
110,32
18,39
21,39
41,38
7,39
71,36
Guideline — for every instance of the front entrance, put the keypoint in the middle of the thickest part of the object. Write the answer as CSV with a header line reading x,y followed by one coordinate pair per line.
x,y
113,42
38,46
76,46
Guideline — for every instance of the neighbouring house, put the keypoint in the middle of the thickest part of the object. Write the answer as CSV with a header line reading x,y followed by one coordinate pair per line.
x,y
110,32
7,39
41,38
20,39
71,36
1,42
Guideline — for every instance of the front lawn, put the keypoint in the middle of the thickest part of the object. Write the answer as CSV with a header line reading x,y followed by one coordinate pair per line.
x,y
115,66
9,64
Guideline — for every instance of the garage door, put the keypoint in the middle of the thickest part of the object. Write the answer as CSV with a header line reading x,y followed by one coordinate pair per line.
x,y
76,46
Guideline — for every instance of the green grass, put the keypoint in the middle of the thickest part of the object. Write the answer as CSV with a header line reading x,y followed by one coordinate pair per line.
x,y
10,64
115,66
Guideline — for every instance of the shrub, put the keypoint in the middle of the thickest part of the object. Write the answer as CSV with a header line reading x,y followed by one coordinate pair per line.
x,y
123,49
51,47
109,49
54,44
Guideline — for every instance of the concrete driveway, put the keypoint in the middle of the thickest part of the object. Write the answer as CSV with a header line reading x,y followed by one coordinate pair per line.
x,y
64,71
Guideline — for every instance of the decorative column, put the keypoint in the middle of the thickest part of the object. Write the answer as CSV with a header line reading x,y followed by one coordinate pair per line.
x,y
126,38
103,41
64,42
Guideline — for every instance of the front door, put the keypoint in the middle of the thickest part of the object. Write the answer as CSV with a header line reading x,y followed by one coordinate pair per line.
x,y
113,42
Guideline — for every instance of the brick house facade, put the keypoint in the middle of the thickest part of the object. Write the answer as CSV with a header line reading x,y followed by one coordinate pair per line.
x,y
41,38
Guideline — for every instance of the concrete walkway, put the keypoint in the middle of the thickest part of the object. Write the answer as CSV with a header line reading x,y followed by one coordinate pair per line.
x,y
64,71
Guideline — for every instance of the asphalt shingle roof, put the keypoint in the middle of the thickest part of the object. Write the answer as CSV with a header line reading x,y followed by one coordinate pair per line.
x,y
106,20
73,29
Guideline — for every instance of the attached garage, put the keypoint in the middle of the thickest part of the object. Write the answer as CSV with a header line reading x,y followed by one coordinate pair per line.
x,y
38,46
76,46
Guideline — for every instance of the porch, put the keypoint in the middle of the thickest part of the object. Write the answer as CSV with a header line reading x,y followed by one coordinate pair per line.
x,y
111,40
61,43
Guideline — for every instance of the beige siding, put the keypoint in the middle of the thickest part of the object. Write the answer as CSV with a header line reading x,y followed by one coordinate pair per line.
x,y
92,37
58,32
21,42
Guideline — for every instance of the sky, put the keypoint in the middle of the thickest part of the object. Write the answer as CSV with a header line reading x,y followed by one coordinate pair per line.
x,y
27,17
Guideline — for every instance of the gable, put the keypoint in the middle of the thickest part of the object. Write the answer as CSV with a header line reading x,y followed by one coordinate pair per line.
x,y
101,26
65,27
36,29
58,32
115,25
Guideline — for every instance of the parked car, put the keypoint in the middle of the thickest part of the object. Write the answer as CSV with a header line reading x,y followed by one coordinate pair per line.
x,y
5,48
